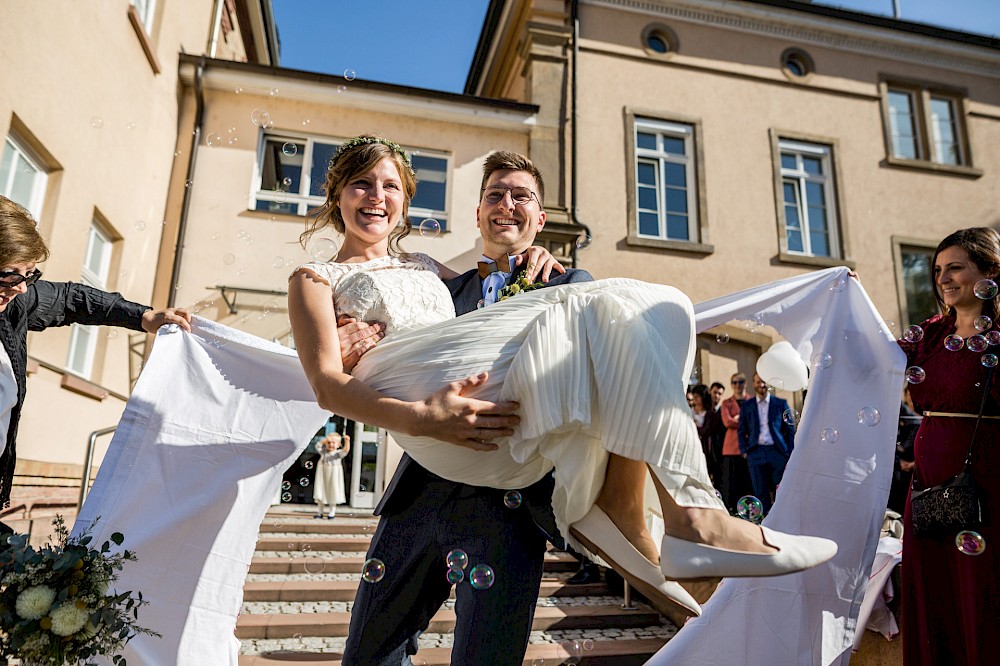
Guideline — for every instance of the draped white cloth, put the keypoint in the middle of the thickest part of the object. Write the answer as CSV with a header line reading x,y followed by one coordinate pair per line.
x,y
217,416
834,490
215,419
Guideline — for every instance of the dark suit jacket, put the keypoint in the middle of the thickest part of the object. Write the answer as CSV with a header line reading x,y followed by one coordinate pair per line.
x,y
410,477
749,428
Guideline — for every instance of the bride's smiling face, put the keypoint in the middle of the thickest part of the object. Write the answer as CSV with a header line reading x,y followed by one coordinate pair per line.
x,y
371,203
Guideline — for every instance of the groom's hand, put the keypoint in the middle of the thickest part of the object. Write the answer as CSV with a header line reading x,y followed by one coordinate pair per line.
x,y
451,417
357,338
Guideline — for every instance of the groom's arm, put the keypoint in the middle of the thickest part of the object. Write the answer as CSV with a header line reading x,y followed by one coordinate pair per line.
x,y
357,338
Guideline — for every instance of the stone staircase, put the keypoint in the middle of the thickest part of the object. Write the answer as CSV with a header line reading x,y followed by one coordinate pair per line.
x,y
301,585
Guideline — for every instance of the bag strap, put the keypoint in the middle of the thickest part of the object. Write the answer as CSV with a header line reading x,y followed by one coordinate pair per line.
x,y
979,418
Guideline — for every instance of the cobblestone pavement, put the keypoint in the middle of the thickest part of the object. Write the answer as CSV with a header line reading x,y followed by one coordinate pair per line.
x,y
579,636
319,576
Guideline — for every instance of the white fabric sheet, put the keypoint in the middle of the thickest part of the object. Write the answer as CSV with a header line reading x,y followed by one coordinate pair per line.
x,y
835,490
215,419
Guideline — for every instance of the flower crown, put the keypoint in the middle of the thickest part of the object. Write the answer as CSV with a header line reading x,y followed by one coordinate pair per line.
x,y
367,140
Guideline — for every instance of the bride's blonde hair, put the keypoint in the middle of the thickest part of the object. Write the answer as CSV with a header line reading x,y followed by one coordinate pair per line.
x,y
354,157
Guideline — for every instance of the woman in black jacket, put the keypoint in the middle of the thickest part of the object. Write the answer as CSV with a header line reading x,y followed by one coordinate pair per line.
x,y
30,304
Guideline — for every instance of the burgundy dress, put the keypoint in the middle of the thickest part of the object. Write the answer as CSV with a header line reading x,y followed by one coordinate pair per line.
x,y
951,601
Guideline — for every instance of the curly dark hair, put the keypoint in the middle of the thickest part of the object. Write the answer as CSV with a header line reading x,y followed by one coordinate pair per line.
x,y
982,244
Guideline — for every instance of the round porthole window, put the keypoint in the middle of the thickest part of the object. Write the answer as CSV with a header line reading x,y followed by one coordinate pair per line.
x,y
797,64
659,40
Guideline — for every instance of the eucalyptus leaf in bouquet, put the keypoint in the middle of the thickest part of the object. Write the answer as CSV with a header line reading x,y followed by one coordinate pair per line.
x,y
57,604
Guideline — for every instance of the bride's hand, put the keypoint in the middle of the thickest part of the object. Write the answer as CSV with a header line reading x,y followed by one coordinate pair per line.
x,y
451,417
538,261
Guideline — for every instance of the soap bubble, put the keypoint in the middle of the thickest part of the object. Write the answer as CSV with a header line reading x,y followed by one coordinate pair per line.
x,y
286,496
969,542
260,117
821,360
304,482
915,374
983,323
750,508
97,122
313,566
139,225
457,559
341,89
913,334
228,259
289,148
722,338
993,337
891,326
790,416
373,570
286,485
588,644
350,74
869,416
512,499
112,334
572,650
954,342
455,576
775,384
278,262
989,360
286,183
482,577
829,436
985,289
274,91
430,228
213,140
976,343
308,464
321,249
584,240
838,283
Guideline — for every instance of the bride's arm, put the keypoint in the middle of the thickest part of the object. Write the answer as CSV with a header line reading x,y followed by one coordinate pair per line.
x,y
446,415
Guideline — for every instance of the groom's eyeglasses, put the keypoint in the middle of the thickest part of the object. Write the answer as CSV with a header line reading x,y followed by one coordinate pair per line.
x,y
13,278
521,196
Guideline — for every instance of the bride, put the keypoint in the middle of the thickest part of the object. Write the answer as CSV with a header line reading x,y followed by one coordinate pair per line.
x,y
596,368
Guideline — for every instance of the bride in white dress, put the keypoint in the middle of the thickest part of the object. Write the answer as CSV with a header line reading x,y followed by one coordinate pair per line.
x,y
597,369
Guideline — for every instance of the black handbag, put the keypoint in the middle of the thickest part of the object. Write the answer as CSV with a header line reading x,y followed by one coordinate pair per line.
x,y
954,505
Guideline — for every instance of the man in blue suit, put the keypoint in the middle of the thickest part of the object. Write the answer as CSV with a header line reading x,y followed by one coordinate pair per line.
x,y
423,516
766,449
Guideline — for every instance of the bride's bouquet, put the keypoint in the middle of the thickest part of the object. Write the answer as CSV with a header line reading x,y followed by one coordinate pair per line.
x,y
55,607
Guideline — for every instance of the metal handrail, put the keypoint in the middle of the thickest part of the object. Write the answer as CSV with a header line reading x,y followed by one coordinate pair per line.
x,y
88,463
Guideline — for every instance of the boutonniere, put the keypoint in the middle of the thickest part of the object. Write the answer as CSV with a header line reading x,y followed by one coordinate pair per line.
x,y
518,286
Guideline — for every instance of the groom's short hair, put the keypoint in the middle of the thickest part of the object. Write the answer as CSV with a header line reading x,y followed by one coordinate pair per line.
x,y
505,160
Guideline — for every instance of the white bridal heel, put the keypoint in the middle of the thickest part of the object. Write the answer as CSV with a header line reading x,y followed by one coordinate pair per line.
x,y
600,535
687,560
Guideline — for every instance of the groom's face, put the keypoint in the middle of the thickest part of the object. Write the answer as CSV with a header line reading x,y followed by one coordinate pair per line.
x,y
509,226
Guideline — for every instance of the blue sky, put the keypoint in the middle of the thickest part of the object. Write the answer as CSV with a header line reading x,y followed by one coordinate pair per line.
x,y
430,43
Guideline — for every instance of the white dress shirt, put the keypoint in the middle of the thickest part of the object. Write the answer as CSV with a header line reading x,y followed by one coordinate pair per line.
x,y
764,439
8,395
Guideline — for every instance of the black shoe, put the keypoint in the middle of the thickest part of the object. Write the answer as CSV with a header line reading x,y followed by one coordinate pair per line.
x,y
588,573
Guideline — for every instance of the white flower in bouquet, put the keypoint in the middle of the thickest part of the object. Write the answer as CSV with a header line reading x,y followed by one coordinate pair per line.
x,y
35,602
68,619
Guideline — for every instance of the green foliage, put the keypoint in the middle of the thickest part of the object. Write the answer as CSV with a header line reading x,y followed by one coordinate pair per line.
x,y
80,577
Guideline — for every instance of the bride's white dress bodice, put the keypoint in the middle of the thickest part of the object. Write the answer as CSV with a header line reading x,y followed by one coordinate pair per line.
x,y
402,292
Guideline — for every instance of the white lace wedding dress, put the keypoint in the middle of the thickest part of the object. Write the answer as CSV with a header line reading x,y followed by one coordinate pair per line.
x,y
597,367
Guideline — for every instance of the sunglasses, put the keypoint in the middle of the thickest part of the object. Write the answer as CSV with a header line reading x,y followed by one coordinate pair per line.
x,y
739,381
13,278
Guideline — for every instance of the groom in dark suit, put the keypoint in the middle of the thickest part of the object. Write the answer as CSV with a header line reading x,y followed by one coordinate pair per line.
x,y
766,440
423,516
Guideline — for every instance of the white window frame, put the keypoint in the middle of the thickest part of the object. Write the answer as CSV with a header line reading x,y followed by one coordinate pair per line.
x,y
925,126
799,177
23,158
661,157
146,9
85,337
304,202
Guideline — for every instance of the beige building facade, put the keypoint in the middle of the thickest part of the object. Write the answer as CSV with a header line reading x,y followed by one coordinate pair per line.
x,y
89,119
719,145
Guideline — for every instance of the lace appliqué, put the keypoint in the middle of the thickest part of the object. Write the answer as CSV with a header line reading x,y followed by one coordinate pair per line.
x,y
403,292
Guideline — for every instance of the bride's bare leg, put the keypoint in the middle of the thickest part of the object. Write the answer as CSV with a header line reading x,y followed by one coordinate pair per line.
x,y
622,498
709,526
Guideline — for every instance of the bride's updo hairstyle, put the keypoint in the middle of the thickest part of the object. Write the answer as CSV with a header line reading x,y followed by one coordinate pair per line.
x,y
355,157
982,244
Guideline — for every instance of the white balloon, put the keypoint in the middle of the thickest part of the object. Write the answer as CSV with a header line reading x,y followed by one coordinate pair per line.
x,y
782,362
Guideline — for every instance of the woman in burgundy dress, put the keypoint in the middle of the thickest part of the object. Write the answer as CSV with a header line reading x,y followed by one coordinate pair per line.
x,y
951,598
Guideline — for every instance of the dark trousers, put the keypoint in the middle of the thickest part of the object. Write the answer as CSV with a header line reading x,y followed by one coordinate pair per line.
x,y
767,466
735,480
492,625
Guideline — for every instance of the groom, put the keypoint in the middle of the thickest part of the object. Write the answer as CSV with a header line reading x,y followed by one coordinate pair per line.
x,y
423,517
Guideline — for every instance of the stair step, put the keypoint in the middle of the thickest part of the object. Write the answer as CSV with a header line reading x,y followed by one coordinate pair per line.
x,y
604,653
554,561
319,527
343,590
292,544
336,624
